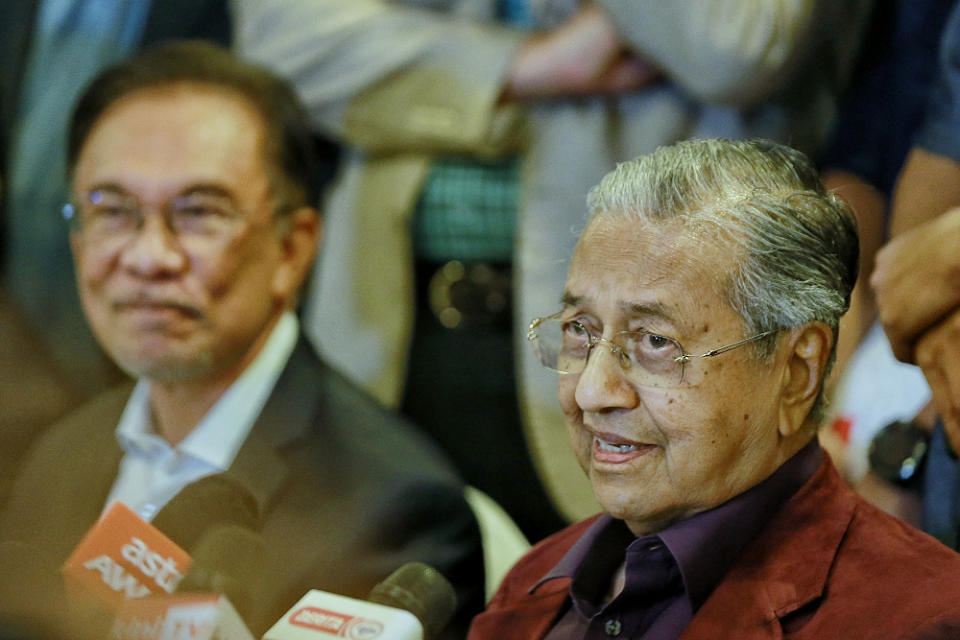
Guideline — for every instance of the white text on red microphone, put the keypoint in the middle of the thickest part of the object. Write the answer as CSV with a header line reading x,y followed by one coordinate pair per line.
x,y
162,570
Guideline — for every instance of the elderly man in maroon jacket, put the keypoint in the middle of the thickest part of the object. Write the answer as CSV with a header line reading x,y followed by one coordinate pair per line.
x,y
696,329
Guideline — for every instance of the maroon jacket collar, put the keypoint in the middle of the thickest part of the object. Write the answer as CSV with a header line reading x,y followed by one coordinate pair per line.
x,y
783,569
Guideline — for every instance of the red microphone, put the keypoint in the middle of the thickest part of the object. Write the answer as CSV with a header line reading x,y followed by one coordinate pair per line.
x,y
120,558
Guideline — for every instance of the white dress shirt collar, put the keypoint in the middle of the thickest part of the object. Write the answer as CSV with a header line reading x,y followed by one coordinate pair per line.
x,y
152,471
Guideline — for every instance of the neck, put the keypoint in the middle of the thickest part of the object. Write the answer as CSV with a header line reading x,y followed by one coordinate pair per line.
x,y
177,407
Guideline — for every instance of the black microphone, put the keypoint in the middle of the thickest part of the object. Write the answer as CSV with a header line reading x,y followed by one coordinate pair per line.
x,y
230,560
421,590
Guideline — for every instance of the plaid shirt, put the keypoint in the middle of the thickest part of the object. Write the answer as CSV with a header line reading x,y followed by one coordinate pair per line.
x,y
467,211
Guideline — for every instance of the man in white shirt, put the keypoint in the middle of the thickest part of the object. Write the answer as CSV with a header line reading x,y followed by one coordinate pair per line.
x,y
193,228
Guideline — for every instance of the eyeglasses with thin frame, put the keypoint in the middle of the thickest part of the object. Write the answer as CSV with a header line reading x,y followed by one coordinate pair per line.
x,y
647,358
115,216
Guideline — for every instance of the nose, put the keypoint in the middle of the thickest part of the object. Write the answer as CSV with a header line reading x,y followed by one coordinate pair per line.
x,y
153,251
602,385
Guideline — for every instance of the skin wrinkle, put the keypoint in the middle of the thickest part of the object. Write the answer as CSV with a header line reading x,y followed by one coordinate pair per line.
x,y
208,279
702,453
660,316
785,253
189,313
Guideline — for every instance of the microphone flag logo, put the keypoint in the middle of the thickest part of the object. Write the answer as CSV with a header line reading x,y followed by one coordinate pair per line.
x,y
336,624
124,557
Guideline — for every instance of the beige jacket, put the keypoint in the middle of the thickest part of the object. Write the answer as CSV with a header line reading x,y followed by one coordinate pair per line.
x,y
412,86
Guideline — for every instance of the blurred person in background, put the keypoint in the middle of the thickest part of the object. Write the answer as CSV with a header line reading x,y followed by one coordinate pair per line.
x,y
916,285
870,389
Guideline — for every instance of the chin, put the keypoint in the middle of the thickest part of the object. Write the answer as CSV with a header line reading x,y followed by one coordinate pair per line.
x,y
639,520
614,500
165,367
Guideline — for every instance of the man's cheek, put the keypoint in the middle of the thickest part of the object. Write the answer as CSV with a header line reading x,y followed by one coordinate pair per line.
x,y
663,401
567,396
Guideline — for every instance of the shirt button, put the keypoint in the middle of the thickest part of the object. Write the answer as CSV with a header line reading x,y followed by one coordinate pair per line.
x,y
612,627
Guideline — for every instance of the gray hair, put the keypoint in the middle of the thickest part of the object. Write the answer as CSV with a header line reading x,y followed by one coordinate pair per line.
x,y
798,242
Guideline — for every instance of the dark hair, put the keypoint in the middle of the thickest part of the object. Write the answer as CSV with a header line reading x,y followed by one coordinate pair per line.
x,y
290,143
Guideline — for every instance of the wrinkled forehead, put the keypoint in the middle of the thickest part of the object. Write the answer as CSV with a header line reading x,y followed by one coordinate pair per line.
x,y
645,248
632,261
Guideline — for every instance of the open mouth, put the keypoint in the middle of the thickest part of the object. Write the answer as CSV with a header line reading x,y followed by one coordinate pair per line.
x,y
603,445
613,449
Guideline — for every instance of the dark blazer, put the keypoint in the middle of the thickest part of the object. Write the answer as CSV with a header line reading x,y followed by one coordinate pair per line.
x,y
341,491
827,566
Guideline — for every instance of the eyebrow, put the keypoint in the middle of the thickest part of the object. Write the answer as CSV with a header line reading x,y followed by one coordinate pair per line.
x,y
112,187
207,189
657,309
201,188
570,300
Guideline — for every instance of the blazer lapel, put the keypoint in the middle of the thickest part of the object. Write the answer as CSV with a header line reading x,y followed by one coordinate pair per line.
x,y
288,415
784,569
95,479
529,618
245,493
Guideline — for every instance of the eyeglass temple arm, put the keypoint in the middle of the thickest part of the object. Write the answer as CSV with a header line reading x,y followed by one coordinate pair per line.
x,y
728,347
536,322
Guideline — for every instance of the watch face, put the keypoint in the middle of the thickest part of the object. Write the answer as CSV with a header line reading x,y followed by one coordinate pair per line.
x,y
898,450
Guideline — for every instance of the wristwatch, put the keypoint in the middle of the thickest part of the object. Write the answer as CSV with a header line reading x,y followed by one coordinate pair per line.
x,y
898,451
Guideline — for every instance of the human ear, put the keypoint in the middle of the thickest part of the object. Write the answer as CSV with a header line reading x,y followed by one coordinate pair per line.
x,y
803,374
299,238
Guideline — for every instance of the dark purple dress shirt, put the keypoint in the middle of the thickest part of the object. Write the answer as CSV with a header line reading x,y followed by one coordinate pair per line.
x,y
668,574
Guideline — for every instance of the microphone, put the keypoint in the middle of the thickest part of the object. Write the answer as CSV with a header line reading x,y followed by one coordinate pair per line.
x,y
229,560
414,603
421,590
213,599
122,557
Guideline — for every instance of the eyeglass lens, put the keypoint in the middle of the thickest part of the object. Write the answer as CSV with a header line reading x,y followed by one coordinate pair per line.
x,y
107,213
646,358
